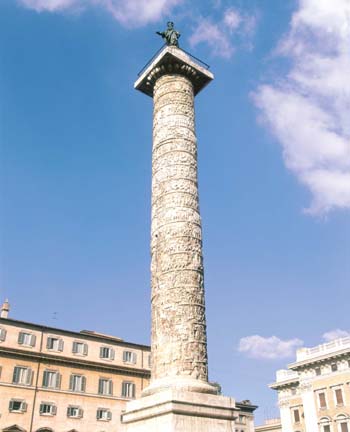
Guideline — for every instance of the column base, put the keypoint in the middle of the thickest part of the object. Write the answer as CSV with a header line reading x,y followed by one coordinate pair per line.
x,y
179,383
180,411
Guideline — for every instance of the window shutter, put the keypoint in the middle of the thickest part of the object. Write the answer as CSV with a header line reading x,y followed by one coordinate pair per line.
x,y
134,358
54,410
48,343
80,413
41,408
45,379
24,407
69,411
11,404
75,348
2,334
133,388
29,377
98,414
60,345
125,356
58,380
83,383
100,386
109,415
15,378
112,353
101,352
71,382
86,349
33,340
110,388
20,338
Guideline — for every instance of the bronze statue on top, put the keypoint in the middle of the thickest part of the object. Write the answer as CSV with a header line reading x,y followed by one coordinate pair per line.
x,y
170,35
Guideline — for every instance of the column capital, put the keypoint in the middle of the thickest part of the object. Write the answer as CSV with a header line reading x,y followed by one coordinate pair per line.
x,y
173,60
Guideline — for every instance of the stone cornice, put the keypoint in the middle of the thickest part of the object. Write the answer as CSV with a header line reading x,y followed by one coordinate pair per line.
x,y
84,335
319,360
73,362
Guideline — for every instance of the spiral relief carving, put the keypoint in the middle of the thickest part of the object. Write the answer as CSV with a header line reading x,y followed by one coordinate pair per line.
x,y
179,343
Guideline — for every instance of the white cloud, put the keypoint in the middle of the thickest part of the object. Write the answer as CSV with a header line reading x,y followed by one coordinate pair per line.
x,y
128,13
210,33
219,36
232,19
270,348
308,110
335,334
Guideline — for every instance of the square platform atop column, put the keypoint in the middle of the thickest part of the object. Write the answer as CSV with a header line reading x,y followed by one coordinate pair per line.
x,y
173,60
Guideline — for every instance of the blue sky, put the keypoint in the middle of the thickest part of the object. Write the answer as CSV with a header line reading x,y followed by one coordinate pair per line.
x,y
274,172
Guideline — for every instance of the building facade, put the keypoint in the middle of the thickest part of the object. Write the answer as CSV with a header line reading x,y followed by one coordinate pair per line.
x,y
314,393
58,380
270,425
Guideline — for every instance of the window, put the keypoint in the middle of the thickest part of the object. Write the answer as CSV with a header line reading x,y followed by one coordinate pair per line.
x,y
54,344
17,405
105,387
74,411
27,339
334,367
242,419
293,391
322,401
326,428
318,371
2,334
104,414
80,348
296,416
129,357
48,408
51,379
344,427
338,393
107,353
22,375
77,383
128,389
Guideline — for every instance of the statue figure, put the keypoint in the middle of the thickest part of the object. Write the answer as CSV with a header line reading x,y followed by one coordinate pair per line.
x,y
170,35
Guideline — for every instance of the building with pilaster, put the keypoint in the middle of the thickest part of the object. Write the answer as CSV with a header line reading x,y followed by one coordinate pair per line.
x,y
314,392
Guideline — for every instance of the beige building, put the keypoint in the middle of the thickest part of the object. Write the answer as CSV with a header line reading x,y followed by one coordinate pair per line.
x,y
314,393
58,380
270,425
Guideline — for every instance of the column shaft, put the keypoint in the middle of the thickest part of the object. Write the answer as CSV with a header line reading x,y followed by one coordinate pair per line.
x,y
179,343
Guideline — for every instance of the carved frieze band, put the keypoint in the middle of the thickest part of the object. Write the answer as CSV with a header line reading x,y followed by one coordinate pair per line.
x,y
179,343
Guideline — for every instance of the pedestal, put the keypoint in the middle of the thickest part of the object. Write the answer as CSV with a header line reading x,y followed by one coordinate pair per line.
x,y
174,411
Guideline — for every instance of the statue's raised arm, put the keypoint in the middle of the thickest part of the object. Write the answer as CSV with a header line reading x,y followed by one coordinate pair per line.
x,y
170,35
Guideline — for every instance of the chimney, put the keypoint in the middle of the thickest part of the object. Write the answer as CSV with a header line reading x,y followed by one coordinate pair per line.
x,y
5,309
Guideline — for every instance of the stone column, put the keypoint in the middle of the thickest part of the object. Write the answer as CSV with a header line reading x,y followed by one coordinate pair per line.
x,y
179,397
179,343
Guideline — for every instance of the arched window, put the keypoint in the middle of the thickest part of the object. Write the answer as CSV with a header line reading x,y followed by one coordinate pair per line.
x,y
325,424
14,428
343,421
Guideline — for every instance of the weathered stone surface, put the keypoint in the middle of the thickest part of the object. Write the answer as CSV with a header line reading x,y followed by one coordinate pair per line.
x,y
179,343
175,411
